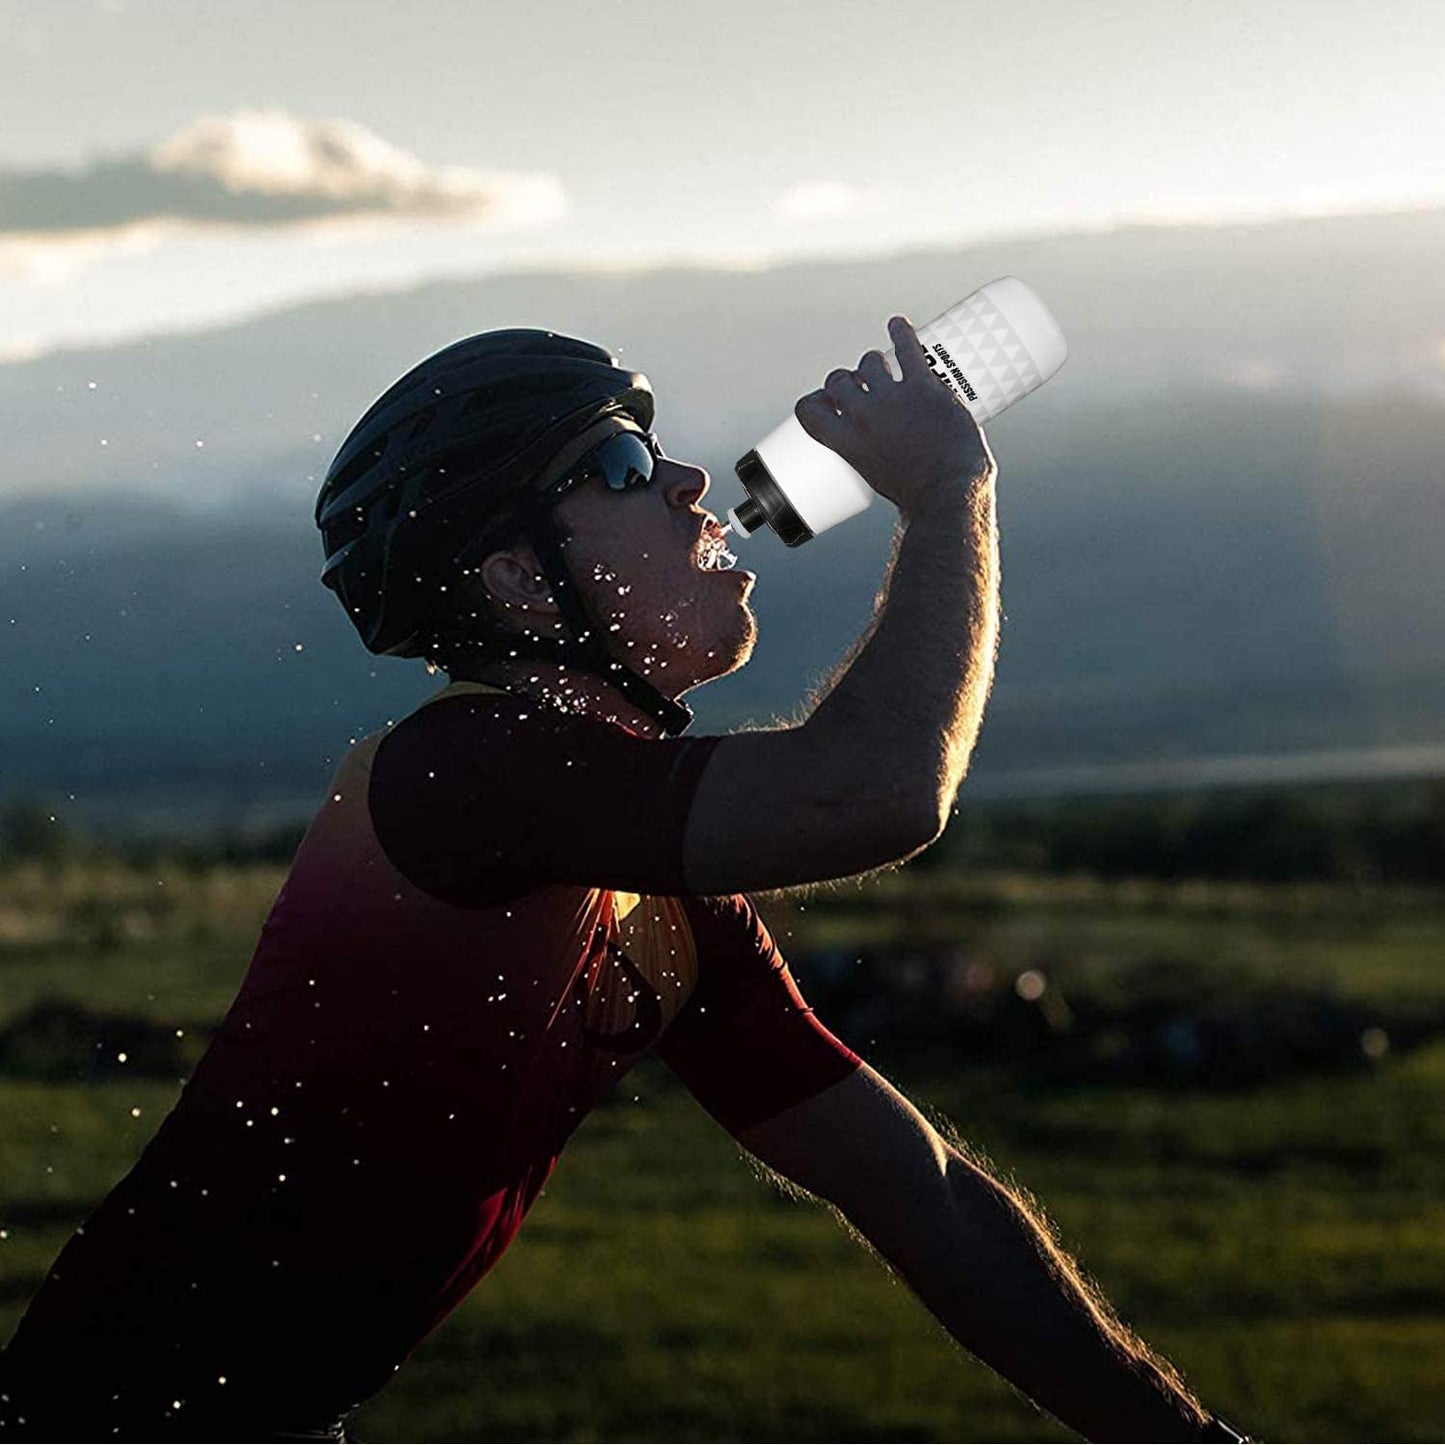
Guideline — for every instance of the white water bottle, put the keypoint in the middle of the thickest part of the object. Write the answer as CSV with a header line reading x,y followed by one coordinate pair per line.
x,y
997,345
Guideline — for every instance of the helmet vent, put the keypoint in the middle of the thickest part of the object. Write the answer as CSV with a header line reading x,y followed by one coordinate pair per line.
x,y
389,503
479,400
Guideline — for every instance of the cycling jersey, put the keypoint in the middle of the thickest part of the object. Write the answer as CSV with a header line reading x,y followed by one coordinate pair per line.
x,y
484,927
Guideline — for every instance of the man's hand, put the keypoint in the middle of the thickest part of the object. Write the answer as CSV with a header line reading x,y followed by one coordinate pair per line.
x,y
907,438
978,1258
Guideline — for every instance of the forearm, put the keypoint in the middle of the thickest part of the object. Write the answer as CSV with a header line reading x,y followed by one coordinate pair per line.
x,y
993,1277
912,692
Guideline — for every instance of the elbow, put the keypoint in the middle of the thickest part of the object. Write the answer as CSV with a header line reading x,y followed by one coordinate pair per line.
x,y
925,825
901,831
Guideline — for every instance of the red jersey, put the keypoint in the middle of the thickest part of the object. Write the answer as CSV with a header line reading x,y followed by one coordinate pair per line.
x,y
483,928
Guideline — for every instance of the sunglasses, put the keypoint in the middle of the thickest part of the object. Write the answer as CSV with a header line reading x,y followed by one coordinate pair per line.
x,y
623,461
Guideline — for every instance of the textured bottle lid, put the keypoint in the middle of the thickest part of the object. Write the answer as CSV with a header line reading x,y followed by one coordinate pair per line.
x,y
1032,321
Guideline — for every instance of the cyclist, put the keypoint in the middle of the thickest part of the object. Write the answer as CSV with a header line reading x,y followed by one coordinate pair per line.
x,y
510,895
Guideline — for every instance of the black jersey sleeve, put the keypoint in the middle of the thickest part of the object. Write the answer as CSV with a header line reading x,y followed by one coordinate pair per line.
x,y
478,799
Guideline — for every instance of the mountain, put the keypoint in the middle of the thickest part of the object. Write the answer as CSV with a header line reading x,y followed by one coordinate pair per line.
x,y
1219,520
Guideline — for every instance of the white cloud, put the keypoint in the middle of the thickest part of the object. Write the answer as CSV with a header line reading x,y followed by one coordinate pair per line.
x,y
52,260
1385,191
248,170
22,346
823,201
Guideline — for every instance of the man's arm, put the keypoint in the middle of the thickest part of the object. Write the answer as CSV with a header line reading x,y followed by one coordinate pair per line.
x,y
885,742
978,1257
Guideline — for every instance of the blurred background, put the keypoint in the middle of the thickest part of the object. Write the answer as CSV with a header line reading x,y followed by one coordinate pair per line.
x,y
1177,964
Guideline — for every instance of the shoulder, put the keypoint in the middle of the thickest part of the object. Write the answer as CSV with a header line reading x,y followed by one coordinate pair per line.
x,y
472,733
453,786
469,785
478,711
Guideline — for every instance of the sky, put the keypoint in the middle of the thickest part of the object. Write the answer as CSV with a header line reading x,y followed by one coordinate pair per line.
x,y
167,165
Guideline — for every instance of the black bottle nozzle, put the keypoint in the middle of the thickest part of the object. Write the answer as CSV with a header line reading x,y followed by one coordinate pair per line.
x,y
748,515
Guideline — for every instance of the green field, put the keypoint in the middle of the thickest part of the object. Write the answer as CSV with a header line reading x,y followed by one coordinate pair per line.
x,y
1283,1244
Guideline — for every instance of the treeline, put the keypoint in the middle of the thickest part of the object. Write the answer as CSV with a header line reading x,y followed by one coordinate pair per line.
x,y
36,828
1356,833
1345,833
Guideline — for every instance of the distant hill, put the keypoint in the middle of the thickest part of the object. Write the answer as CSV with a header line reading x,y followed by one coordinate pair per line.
x,y
1220,521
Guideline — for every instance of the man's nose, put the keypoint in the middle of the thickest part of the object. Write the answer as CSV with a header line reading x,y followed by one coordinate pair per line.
x,y
689,486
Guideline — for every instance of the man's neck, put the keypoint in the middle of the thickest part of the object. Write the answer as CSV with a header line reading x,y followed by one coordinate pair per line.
x,y
564,687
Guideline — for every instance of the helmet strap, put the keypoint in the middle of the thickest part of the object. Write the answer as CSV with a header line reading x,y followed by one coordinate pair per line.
x,y
585,649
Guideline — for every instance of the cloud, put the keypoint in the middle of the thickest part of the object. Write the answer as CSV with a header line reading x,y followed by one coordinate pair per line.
x,y
22,346
823,201
247,170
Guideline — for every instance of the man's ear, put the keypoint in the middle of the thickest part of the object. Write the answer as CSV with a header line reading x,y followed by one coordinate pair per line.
x,y
513,576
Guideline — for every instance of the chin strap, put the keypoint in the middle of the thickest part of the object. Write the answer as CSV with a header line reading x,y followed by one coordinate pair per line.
x,y
585,649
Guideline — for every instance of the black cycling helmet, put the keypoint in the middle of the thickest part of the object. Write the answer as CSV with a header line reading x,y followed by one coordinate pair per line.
x,y
443,467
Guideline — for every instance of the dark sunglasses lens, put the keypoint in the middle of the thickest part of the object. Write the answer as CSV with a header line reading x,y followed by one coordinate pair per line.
x,y
624,461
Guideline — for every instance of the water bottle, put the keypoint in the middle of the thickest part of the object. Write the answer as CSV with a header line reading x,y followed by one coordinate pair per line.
x,y
997,345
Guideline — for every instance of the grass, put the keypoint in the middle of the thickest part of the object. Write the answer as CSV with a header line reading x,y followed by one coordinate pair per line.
x,y
661,1291
1283,1245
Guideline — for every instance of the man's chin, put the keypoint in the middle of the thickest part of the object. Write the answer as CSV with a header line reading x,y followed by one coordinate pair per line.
x,y
741,653
726,660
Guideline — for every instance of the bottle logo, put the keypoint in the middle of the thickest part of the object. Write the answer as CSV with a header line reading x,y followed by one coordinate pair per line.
x,y
953,378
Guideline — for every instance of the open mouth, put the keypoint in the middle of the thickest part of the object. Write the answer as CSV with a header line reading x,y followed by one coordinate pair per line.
x,y
712,555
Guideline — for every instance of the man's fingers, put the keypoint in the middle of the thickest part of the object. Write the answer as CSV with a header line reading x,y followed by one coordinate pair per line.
x,y
907,347
818,417
842,388
874,369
